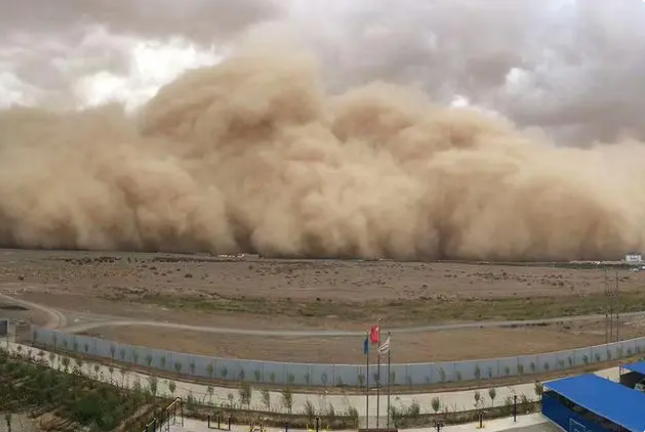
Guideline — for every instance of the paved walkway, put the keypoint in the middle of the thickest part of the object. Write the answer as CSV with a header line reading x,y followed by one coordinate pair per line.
x,y
453,401
526,423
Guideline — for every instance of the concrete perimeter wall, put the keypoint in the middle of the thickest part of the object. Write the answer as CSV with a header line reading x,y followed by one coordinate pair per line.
x,y
312,374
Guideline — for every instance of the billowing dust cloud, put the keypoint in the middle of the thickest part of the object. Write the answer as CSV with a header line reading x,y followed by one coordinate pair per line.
x,y
253,155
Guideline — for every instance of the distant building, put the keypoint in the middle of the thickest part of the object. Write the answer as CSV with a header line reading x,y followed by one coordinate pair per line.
x,y
633,257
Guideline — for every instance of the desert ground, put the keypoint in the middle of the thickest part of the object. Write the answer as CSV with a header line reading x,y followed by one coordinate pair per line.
x,y
251,292
458,344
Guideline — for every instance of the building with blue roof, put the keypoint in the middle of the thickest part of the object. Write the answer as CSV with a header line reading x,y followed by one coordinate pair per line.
x,y
587,403
638,367
633,375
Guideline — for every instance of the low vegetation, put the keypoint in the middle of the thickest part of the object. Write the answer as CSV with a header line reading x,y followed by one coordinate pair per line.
x,y
64,401
427,310
278,413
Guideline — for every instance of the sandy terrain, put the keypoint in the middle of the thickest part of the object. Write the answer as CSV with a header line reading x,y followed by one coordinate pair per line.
x,y
431,346
21,315
131,275
258,293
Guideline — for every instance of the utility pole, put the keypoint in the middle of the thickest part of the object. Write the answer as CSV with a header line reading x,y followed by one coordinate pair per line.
x,y
612,308
366,350
617,309
609,313
606,310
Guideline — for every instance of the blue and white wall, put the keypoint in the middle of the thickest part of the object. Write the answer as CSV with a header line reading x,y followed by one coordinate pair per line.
x,y
303,374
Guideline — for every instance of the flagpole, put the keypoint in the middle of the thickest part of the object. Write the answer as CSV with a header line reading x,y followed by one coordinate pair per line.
x,y
389,378
367,382
378,389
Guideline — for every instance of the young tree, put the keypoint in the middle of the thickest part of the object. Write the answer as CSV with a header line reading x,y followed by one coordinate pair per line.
x,y
477,396
210,390
137,389
492,394
245,394
266,399
287,399
65,362
153,385
172,387
538,389
123,372
310,411
436,404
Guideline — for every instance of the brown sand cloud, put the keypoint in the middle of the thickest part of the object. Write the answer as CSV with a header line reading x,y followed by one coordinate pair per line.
x,y
254,155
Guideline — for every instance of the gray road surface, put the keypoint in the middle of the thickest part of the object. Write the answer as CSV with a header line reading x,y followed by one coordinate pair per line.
x,y
76,328
545,427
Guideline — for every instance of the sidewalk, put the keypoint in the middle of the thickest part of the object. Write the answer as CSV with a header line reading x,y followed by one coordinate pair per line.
x,y
454,401
530,422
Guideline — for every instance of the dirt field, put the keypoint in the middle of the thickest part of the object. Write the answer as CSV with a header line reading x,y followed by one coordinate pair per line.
x,y
430,346
21,315
252,292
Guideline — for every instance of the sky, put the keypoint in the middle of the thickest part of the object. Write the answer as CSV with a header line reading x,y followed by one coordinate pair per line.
x,y
573,68
326,127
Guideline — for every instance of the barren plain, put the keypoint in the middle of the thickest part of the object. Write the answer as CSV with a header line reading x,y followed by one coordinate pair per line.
x,y
251,292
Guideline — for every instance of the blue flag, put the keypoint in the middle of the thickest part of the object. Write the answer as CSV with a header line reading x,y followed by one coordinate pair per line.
x,y
366,345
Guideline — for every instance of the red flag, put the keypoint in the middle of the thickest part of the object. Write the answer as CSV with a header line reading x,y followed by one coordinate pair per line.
x,y
374,334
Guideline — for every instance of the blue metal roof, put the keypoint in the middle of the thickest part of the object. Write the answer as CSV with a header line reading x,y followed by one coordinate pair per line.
x,y
635,367
615,402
